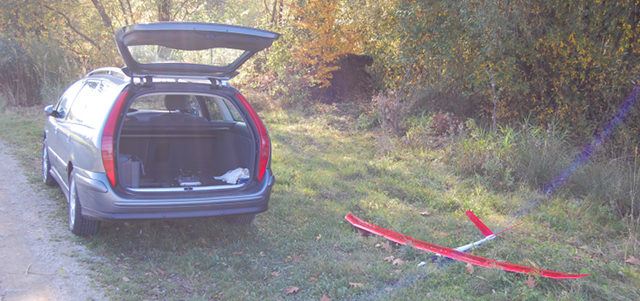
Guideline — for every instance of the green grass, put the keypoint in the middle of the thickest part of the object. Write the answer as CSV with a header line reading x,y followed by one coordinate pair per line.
x,y
324,169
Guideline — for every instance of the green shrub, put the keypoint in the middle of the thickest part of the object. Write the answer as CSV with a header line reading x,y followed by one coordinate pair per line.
x,y
55,68
535,157
19,81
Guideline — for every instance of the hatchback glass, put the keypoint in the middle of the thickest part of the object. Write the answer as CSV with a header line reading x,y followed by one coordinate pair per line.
x,y
217,57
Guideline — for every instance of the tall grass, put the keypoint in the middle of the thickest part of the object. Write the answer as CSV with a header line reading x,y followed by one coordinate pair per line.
x,y
528,155
34,73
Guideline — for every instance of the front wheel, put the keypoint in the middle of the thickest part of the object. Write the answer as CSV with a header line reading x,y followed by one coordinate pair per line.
x,y
78,224
46,167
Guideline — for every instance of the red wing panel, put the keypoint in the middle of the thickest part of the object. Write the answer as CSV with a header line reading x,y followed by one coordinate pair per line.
x,y
483,228
453,254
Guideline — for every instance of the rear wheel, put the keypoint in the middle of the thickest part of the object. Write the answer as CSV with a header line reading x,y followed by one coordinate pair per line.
x,y
46,167
78,224
240,219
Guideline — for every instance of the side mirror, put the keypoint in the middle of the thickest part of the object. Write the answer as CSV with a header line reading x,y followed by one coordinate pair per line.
x,y
50,111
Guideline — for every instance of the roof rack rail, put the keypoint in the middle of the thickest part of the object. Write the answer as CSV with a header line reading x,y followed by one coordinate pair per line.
x,y
113,71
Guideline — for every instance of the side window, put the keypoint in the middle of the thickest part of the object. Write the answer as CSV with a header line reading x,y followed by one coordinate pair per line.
x,y
235,114
91,101
221,109
67,98
79,106
213,106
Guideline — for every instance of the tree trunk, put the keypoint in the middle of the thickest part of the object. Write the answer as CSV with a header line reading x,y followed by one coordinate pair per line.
x,y
103,14
164,10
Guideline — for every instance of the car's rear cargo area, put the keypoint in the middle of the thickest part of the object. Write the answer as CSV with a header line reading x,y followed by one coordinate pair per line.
x,y
171,141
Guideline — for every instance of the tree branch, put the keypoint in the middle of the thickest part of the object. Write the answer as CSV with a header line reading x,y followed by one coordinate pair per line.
x,y
124,12
68,21
103,14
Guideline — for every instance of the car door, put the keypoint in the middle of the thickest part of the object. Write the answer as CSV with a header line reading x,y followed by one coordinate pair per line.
x,y
57,132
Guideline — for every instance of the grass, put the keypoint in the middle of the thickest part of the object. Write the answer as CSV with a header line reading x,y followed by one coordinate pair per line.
x,y
325,168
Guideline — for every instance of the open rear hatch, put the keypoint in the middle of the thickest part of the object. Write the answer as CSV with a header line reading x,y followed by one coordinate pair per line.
x,y
189,49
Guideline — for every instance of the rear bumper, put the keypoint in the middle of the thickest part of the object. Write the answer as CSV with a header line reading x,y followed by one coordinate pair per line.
x,y
99,201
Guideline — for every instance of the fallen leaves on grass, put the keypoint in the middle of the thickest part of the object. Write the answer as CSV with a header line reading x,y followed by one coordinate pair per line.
x,y
291,290
356,284
469,267
397,261
385,245
393,260
632,260
425,213
319,237
531,282
275,273
325,298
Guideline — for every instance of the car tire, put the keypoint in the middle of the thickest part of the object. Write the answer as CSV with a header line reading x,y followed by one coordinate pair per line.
x,y
240,219
46,167
78,224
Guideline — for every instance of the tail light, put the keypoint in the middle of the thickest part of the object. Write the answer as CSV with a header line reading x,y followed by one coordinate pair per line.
x,y
265,144
107,138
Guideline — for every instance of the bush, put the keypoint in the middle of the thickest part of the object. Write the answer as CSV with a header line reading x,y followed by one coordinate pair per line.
x,y
535,157
19,81
55,68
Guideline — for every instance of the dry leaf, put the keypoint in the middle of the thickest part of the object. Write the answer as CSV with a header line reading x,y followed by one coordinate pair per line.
x,y
297,258
291,290
319,237
387,246
356,284
425,213
531,282
325,298
125,279
389,259
313,279
632,260
469,267
397,261
275,273
237,253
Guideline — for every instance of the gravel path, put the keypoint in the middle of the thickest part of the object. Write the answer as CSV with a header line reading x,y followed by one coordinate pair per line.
x,y
39,258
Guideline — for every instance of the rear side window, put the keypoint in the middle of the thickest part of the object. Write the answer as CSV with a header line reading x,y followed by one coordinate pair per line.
x,y
67,98
93,100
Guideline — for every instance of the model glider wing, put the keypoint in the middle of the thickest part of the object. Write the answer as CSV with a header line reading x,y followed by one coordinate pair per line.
x,y
454,254
481,226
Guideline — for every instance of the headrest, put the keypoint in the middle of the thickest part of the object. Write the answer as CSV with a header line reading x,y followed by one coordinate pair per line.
x,y
175,102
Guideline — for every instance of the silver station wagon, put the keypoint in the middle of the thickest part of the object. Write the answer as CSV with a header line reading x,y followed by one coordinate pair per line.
x,y
166,136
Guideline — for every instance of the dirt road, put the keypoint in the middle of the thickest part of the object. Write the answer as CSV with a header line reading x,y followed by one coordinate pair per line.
x,y
39,258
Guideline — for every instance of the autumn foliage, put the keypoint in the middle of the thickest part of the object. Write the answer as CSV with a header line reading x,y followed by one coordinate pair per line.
x,y
323,38
556,63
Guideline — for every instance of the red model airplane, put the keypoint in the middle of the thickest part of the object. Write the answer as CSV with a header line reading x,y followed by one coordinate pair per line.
x,y
458,253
